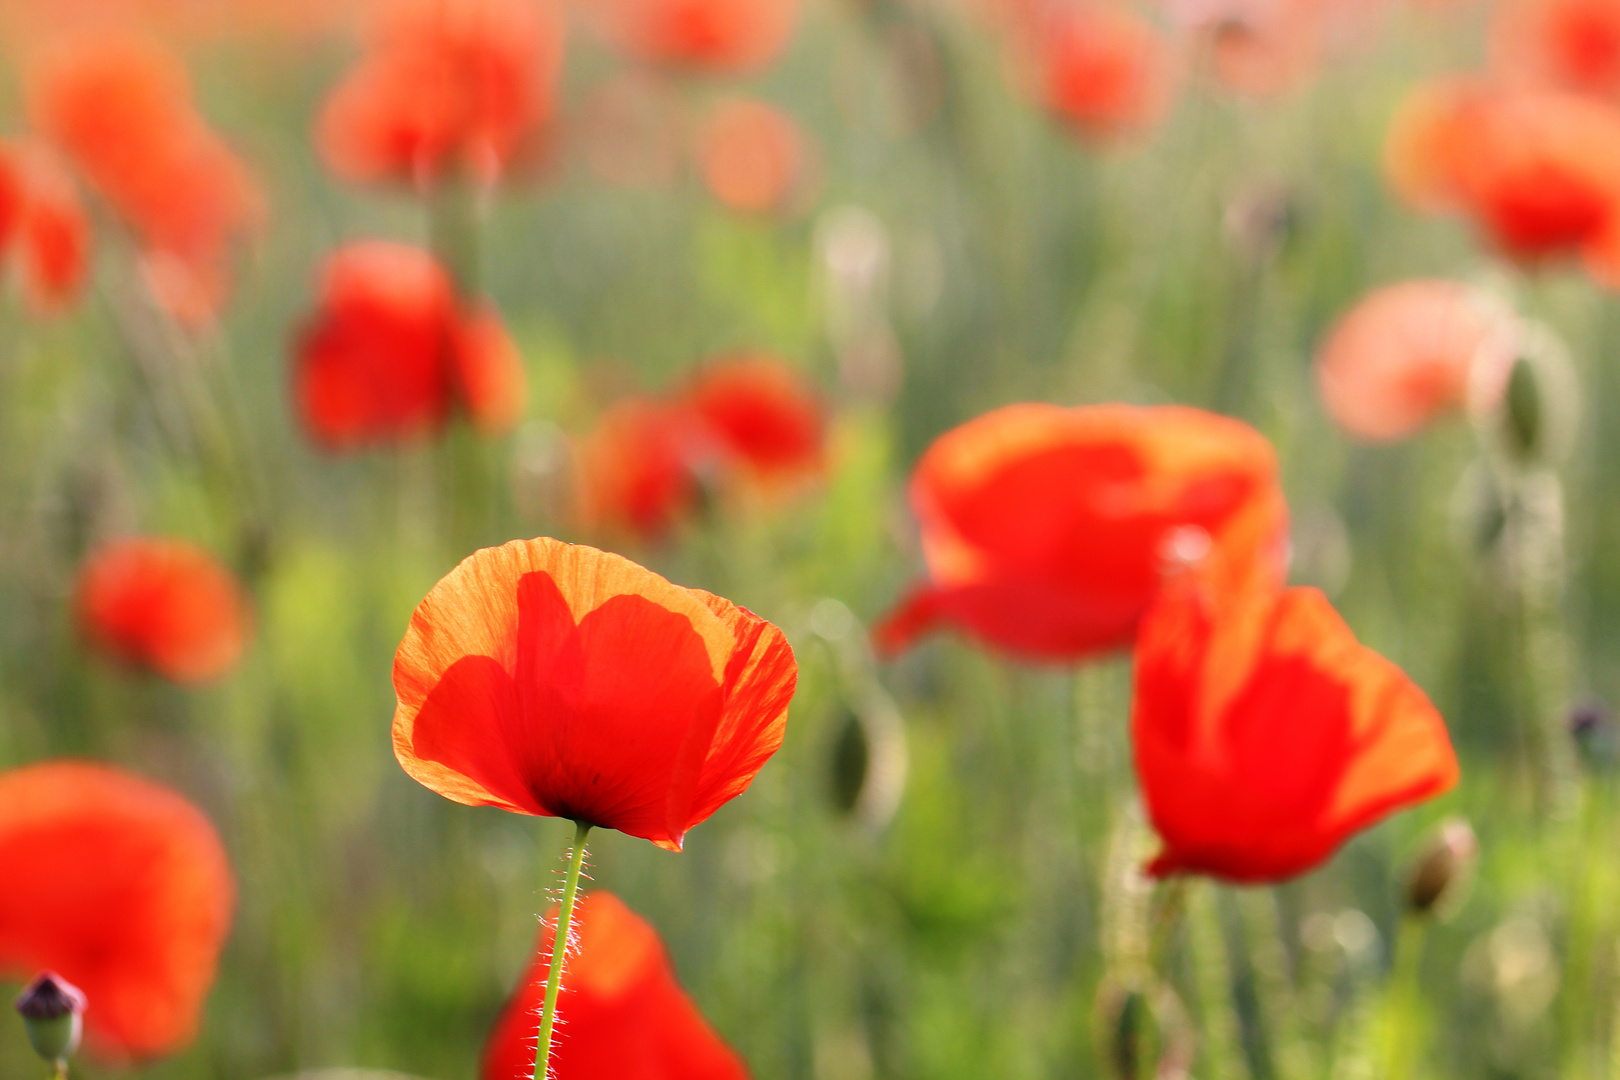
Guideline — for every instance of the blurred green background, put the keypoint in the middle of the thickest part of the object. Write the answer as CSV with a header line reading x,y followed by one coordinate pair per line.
x,y
974,934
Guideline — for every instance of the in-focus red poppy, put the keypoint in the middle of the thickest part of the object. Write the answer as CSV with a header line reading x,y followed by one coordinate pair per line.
x,y
754,411
390,350
122,887
447,88
1410,351
163,605
635,469
622,1014
712,36
553,679
1099,68
752,156
41,214
1048,530
1563,44
121,109
1265,735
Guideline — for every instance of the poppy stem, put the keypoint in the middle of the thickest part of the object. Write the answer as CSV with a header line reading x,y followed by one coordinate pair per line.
x,y
559,952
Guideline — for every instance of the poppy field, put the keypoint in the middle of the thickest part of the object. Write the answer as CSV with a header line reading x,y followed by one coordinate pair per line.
x,y
901,539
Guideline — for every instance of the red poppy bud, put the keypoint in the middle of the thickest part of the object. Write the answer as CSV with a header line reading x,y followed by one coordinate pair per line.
x,y
1265,735
121,886
53,1014
163,605
621,1015
553,679
1048,530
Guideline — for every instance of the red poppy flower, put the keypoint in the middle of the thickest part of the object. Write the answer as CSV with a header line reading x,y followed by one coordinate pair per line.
x,y
1409,351
752,156
164,605
1100,68
121,110
122,887
550,679
622,1016
41,213
757,412
1565,44
390,350
1538,171
447,87
1047,530
717,36
635,469
1265,735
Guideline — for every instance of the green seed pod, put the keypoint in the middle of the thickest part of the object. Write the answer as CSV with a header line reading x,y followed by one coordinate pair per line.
x,y
53,1014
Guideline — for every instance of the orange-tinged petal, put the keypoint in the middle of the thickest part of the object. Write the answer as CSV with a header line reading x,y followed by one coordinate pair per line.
x,y
123,888
555,679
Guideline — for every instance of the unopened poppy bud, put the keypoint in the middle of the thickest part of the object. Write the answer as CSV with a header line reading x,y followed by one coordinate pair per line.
x,y
1126,1018
1592,726
53,1010
851,760
1445,864
1522,410
868,762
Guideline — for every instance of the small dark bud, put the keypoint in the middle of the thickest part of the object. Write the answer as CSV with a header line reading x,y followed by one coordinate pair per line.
x,y
1597,738
1523,411
851,762
52,1010
1444,866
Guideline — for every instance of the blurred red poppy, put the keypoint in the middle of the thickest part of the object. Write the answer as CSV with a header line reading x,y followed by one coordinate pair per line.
x,y
754,411
447,88
123,888
1409,351
635,469
752,156
1256,47
553,679
163,605
41,214
1099,68
715,36
1047,530
1564,44
121,109
622,1015
1539,171
390,350
1265,735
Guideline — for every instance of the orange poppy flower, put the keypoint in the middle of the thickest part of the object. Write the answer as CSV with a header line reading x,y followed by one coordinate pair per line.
x,y
121,110
715,36
559,680
123,888
389,350
1564,44
635,471
1409,351
756,412
1048,530
1265,735
164,605
448,87
1431,136
752,156
623,1015
1100,68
